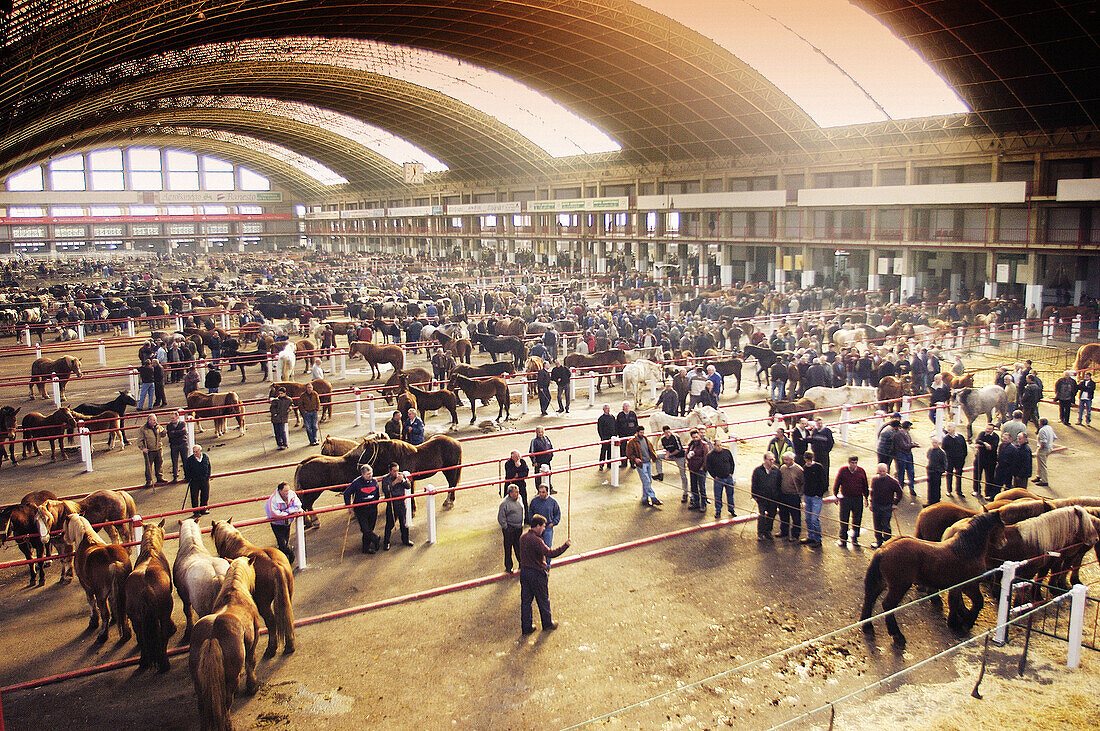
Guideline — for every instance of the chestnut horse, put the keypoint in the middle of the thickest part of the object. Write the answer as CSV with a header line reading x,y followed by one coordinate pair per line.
x,y
102,569
441,453
223,646
20,521
274,585
903,562
108,421
149,599
603,362
337,447
54,427
44,369
8,425
377,354
101,506
484,389
461,349
216,406
320,471
392,386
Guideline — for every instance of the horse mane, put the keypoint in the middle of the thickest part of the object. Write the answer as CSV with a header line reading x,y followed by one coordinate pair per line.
x,y
971,540
189,534
226,536
1053,531
354,454
152,539
1020,510
77,527
239,579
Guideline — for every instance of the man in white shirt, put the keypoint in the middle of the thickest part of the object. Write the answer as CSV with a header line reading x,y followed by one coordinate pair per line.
x,y
1046,445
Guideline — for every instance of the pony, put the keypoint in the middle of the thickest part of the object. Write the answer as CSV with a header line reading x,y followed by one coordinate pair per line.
x,y
274,585
786,408
294,390
486,370
701,416
432,400
1049,542
44,369
54,427
196,574
7,432
903,562
441,453
223,647
148,599
937,518
102,569
286,360
392,386
484,389
216,406
531,370
729,367
495,345
21,521
834,398
639,374
892,388
983,401
375,355
603,362
305,351
108,421
118,405
765,359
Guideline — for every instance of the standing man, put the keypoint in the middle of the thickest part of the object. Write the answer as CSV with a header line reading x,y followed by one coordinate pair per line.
x,y
674,451
280,509
985,459
720,466
886,494
150,442
542,385
954,446
146,386
510,519
697,451
1046,446
309,403
852,487
363,493
159,397
414,428
626,426
561,376
606,429
885,446
821,444
534,576
541,450
213,379
393,426
515,473
640,453
669,401
937,465
1065,391
715,378
1022,471
1030,396
1087,389
903,455
196,470
546,506
395,484
813,498
280,413
765,491
792,484
176,429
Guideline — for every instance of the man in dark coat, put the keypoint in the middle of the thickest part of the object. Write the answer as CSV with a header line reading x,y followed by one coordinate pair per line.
x,y
542,385
985,460
196,470
561,376
626,427
607,430
954,445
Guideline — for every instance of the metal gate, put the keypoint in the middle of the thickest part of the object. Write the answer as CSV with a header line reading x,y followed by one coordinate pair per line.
x,y
1053,620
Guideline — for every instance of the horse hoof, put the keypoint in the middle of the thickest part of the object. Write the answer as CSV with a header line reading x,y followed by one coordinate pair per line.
x,y
869,630
448,504
269,652
288,650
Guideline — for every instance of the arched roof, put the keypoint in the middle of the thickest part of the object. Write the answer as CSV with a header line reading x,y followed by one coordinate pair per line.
x,y
662,91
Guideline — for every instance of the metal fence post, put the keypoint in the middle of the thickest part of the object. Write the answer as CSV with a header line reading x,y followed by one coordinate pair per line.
x,y
133,381
614,463
370,413
941,417
38,350
961,338
591,391
225,320
1075,329
27,336
431,514
102,353
343,364
845,416
189,424
358,408
523,397
85,441
56,388
1023,328
300,541
129,327
179,324
138,528
1008,575
278,369
906,406
1079,597
80,332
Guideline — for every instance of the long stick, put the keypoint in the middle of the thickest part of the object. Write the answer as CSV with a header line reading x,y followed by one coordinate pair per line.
x,y
345,545
569,499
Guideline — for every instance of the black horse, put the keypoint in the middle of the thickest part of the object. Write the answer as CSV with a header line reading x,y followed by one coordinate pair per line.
x,y
7,432
118,405
236,359
765,359
506,344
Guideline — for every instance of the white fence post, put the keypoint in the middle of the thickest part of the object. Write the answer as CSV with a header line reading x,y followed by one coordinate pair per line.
x,y
27,336
523,397
1046,329
591,391
984,332
614,462
133,381
332,363
358,408
80,333
225,320
102,353
845,415
129,327
272,367
405,357
1015,333
85,441
343,364
138,529
961,338
1079,594
431,514
179,324
906,406
189,424
300,541
941,418
1075,329
38,350
370,413
1008,575
56,388
1023,329
279,369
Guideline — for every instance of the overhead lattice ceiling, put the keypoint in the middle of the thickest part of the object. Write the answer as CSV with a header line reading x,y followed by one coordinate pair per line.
x,y
89,71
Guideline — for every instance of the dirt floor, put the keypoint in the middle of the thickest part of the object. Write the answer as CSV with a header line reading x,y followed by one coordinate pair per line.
x,y
647,622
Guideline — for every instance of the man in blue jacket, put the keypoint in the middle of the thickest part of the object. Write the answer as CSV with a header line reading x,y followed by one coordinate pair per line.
x,y
548,508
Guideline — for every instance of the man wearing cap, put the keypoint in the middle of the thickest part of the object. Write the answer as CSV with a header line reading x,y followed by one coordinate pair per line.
x,y
674,451
395,484
720,466
534,576
765,491
792,484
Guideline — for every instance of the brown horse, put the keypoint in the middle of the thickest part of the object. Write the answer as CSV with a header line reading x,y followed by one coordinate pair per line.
x,y
461,349
1048,542
903,562
8,424
938,517
102,569
315,473
101,506
377,354
44,369
441,453
603,362
431,400
484,389
149,599
21,521
786,408
274,587
321,387
337,447
1004,497
892,388
216,406
305,351
531,370
392,386
54,427
223,647
106,420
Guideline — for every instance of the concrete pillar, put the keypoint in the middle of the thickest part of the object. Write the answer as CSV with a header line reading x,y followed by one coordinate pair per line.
x,y
641,257
908,274
990,276
872,270
725,264
682,257
601,257
704,265
1078,292
955,287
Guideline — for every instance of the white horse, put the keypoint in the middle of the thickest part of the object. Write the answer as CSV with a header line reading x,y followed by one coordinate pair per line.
x,y
196,573
701,416
638,375
287,360
834,398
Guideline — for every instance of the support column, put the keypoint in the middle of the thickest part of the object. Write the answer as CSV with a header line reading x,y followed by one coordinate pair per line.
x,y
660,274
991,275
908,278
780,269
1078,292
809,271
1033,290
682,257
704,265
601,257
725,264
641,257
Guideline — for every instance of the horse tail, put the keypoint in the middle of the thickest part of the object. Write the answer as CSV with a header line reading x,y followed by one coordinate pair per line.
x,y
116,575
210,686
284,609
872,586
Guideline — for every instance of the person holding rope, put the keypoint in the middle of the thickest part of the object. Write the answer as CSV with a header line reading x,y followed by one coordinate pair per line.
x,y
196,470
534,576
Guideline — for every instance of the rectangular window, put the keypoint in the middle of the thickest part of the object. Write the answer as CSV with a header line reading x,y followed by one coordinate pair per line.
x,y
25,212
68,173
217,174
251,210
29,179
143,210
60,211
105,211
145,180
216,210
105,169
181,210
253,181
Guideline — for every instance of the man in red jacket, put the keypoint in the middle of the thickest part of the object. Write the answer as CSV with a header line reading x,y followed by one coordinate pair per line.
x,y
852,487
534,576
